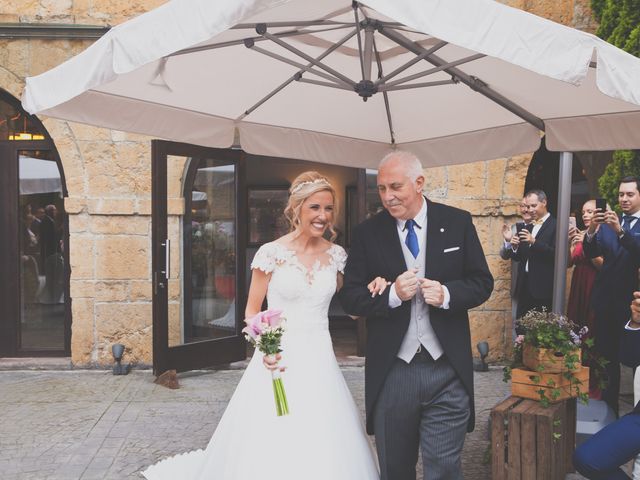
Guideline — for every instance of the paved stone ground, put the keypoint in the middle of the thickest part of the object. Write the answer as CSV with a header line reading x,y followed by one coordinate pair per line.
x,y
86,425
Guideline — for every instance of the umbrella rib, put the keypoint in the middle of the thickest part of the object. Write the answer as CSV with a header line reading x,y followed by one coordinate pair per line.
x,y
355,14
385,88
303,55
437,69
231,43
301,23
384,94
293,63
324,84
472,82
411,62
327,52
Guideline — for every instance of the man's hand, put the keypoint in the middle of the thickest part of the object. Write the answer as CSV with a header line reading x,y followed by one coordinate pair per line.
x,y
515,242
611,219
432,292
407,284
527,236
506,233
597,220
635,308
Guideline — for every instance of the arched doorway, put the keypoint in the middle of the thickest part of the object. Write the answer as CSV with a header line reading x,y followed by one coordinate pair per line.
x,y
587,167
34,240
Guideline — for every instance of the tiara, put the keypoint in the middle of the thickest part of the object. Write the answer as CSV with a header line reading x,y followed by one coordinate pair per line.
x,y
298,187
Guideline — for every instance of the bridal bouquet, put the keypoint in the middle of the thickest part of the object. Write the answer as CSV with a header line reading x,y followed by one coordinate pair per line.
x,y
264,331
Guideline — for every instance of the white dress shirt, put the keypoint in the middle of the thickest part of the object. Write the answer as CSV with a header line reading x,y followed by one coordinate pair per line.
x,y
534,233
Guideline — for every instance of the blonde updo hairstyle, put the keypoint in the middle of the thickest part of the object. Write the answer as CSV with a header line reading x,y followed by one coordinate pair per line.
x,y
305,185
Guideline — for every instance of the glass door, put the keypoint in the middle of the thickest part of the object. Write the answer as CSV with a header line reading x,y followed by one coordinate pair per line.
x,y
36,320
198,269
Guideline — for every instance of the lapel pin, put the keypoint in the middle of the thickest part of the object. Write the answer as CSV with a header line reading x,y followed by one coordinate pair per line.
x,y
442,230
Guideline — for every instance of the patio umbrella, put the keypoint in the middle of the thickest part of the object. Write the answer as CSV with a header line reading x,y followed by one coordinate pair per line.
x,y
38,176
343,82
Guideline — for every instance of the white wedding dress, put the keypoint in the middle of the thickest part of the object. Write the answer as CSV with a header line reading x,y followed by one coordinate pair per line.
x,y
323,435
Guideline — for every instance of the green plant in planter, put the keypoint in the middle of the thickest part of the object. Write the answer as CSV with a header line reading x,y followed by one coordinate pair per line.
x,y
558,334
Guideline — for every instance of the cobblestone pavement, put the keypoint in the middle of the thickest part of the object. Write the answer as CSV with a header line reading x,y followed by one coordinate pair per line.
x,y
88,424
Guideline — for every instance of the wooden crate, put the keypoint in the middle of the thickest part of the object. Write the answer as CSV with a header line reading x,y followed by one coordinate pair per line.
x,y
527,383
523,446
533,357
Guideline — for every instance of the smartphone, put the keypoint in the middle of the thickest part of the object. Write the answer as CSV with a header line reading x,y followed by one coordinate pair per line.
x,y
601,204
519,227
572,222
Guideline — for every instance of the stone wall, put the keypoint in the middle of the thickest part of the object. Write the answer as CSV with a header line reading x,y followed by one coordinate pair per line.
x,y
109,207
491,192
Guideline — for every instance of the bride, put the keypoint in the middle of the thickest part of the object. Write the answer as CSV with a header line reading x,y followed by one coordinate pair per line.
x,y
322,437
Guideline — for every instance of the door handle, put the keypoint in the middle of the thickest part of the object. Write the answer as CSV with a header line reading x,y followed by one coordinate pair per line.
x,y
167,258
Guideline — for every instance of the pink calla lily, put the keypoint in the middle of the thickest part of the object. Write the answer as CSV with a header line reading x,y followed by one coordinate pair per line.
x,y
272,317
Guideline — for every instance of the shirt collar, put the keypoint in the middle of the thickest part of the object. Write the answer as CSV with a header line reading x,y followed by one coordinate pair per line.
x,y
634,215
420,218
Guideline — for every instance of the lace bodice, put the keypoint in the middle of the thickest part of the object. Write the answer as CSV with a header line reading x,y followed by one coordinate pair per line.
x,y
302,293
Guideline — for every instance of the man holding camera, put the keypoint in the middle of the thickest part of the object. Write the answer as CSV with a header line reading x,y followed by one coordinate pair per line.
x,y
533,248
507,253
617,240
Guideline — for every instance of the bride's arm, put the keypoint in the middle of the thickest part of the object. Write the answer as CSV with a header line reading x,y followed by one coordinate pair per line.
x,y
257,292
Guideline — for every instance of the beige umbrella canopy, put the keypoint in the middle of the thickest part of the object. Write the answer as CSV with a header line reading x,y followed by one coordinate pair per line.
x,y
454,81
344,82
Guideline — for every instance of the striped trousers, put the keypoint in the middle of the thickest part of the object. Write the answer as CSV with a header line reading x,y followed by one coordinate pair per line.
x,y
423,405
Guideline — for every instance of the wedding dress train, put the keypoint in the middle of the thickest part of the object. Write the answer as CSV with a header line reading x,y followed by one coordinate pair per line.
x,y
323,436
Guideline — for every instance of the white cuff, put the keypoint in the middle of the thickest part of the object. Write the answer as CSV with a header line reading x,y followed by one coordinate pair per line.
x,y
394,299
629,327
447,298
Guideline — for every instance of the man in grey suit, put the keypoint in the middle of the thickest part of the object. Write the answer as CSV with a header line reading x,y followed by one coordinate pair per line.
x,y
418,374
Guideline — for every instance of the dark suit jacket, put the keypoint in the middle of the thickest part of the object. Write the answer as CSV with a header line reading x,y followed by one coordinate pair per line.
x,y
541,257
376,251
614,285
48,237
630,352
507,253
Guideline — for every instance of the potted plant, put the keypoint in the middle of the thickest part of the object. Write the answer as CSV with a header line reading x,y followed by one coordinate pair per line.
x,y
548,358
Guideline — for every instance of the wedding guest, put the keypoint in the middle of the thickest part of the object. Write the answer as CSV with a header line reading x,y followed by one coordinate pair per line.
x,y
579,309
604,453
507,253
535,252
617,240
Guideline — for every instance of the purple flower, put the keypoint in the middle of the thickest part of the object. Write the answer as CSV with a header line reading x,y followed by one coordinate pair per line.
x,y
254,326
272,317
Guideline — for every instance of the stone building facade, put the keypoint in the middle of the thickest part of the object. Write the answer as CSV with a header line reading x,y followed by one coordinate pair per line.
x,y
108,178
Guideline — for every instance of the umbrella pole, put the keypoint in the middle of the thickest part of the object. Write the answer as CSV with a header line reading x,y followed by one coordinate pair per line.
x,y
562,232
